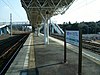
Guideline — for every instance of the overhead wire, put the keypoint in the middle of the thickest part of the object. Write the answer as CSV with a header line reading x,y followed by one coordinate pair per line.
x,y
10,8
2,19
81,5
21,17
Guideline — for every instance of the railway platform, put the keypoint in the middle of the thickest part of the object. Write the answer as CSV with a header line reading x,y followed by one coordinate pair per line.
x,y
35,58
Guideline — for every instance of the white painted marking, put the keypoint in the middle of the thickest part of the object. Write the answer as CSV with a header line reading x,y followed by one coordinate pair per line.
x,y
27,55
91,57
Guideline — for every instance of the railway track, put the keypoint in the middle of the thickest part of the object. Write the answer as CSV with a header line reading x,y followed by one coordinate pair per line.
x,y
91,46
9,49
87,45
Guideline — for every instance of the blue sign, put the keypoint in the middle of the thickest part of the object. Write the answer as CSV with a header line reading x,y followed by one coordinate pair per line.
x,y
72,37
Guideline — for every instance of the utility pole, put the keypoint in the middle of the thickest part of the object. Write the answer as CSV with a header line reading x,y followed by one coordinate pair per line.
x,y
11,24
80,53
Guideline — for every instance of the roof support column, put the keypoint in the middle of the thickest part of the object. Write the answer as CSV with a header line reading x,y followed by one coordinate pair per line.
x,y
38,31
45,33
46,30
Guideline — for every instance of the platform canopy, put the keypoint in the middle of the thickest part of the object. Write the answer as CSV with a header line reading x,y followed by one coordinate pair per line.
x,y
39,10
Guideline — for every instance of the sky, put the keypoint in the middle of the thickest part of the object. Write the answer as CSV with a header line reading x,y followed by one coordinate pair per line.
x,y
80,10
14,7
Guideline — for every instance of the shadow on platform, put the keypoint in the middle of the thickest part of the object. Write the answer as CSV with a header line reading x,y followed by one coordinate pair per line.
x,y
35,71
31,71
47,65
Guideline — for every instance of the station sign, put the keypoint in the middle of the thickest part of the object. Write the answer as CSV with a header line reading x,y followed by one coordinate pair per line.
x,y
75,38
72,37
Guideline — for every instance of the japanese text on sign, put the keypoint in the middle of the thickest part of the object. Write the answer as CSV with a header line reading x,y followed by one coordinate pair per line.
x,y
72,37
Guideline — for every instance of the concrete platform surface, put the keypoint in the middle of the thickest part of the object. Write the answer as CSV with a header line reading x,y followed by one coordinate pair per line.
x,y
49,58
35,58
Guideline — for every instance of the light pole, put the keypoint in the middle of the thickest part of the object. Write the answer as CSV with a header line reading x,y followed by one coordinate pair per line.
x,y
11,24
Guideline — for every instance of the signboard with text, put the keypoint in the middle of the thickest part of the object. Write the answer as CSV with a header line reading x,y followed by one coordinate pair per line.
x,y
72,37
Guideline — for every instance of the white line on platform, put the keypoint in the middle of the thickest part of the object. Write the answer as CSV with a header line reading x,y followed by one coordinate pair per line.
x,y
27,55
94,57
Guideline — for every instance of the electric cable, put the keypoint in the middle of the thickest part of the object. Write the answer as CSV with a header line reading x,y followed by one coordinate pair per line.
x,y
10,8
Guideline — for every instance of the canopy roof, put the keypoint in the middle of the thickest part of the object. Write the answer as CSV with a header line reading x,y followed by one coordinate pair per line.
x,y
38,10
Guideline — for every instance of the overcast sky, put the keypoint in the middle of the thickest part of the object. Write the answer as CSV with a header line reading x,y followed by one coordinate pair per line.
x,y
80,10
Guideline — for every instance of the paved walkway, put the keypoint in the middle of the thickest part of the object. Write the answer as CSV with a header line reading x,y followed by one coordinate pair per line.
x,y
35,58
49,60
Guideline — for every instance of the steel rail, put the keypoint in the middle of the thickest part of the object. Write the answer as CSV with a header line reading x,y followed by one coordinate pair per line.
x,y
90,47
6,41
13,54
